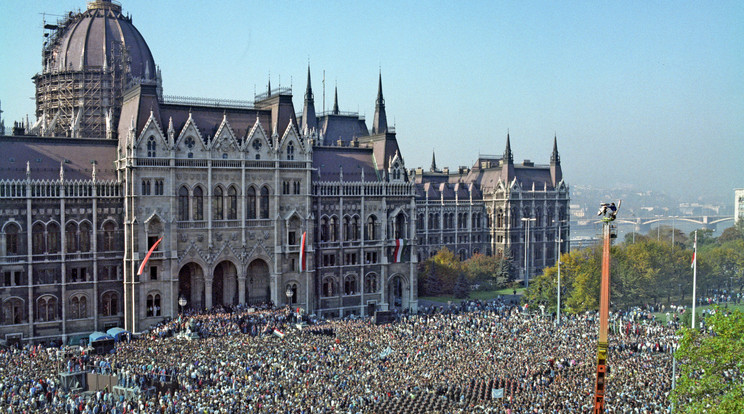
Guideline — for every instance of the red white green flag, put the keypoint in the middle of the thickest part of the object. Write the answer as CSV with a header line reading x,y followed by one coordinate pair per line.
x,y
149,253
303,259
398,253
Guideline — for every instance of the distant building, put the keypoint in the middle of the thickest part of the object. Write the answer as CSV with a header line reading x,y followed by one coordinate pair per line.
x,y
488,208
738,205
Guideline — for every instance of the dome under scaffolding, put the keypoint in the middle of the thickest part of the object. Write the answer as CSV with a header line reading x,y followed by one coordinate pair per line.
x,y
88,60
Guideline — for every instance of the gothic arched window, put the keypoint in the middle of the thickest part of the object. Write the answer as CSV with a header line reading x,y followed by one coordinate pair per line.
x,y
151,147
183,203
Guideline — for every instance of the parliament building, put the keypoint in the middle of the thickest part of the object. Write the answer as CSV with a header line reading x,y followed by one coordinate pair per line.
x,y
112,165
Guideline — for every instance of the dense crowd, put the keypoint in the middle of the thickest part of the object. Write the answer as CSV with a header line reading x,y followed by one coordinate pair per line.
x,y
256,361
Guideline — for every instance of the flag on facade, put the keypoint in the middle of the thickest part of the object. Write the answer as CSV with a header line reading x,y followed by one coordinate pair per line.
x,y
398,253
303,259
147,257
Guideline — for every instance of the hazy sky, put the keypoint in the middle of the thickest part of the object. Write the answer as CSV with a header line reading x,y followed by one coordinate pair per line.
x,y
647,94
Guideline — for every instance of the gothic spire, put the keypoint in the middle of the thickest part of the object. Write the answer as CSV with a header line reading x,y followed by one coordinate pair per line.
x,y
335,101
556,173
507,165
309,120
555,158
379,125
433,162
508,157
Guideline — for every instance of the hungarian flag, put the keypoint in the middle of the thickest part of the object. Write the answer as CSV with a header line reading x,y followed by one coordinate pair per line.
x,y
147,257
278,333
694,253
303,259
398,253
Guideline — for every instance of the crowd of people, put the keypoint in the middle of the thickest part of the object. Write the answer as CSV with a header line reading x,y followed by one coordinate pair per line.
x,y
481,357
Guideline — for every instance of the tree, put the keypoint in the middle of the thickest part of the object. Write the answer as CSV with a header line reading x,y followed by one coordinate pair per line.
x,y
711,376
462,287
481,269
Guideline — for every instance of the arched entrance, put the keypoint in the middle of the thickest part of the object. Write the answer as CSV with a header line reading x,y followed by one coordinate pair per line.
x,y
225,284
257,284
397,292
191,286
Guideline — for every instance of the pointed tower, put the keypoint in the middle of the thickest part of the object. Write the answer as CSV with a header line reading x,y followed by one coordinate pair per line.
x,y
433,167
335,101
507,163
309,120
556,175
379,125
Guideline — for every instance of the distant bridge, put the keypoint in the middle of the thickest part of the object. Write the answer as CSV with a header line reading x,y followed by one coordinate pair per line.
x,y
644,224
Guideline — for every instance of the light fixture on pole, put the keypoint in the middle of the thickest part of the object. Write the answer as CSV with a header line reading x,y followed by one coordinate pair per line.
x,y
289,294
182,303
527,221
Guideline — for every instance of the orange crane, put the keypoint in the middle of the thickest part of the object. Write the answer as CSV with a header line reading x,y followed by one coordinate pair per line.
x,y
609,212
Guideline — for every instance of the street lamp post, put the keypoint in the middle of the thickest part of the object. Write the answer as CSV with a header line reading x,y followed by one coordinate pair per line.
x,y
289,295
560,242
182,303
527,221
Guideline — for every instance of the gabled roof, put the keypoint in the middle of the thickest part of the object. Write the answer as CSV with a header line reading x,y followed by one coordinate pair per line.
x,y
328,163
46,154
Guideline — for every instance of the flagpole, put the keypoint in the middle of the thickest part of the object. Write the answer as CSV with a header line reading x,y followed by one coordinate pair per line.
x,y
694,279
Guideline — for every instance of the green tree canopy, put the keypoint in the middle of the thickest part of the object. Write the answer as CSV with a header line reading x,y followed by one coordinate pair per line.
x,y
712,368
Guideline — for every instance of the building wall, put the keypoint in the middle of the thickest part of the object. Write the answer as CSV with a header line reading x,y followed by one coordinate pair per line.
x,y
60,257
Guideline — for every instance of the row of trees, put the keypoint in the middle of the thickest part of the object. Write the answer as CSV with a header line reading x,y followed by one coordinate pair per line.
x,y
445,274
645,269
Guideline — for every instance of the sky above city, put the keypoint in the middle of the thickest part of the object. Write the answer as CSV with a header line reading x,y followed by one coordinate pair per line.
x,y
642,94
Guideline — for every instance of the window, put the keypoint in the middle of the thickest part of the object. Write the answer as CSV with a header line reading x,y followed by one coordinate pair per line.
x,y
350,285
285,187
355,228
371,257
329,260
78,307
232,203
217,206
109,304
290,151
151,147
11,240
159,187
153,273
347,229
333,229
198,203
84,237
351,259
420,222
292,238
324,229
296,187
71,237
153,305
146,187
46,308
264,207
108,236
53,235
328,286
13,311
250,203
500,219
399,226
183,204
73,275
370,283
371,227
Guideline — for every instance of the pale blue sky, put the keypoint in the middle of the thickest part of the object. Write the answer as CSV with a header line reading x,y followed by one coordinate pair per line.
x,y
648,94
